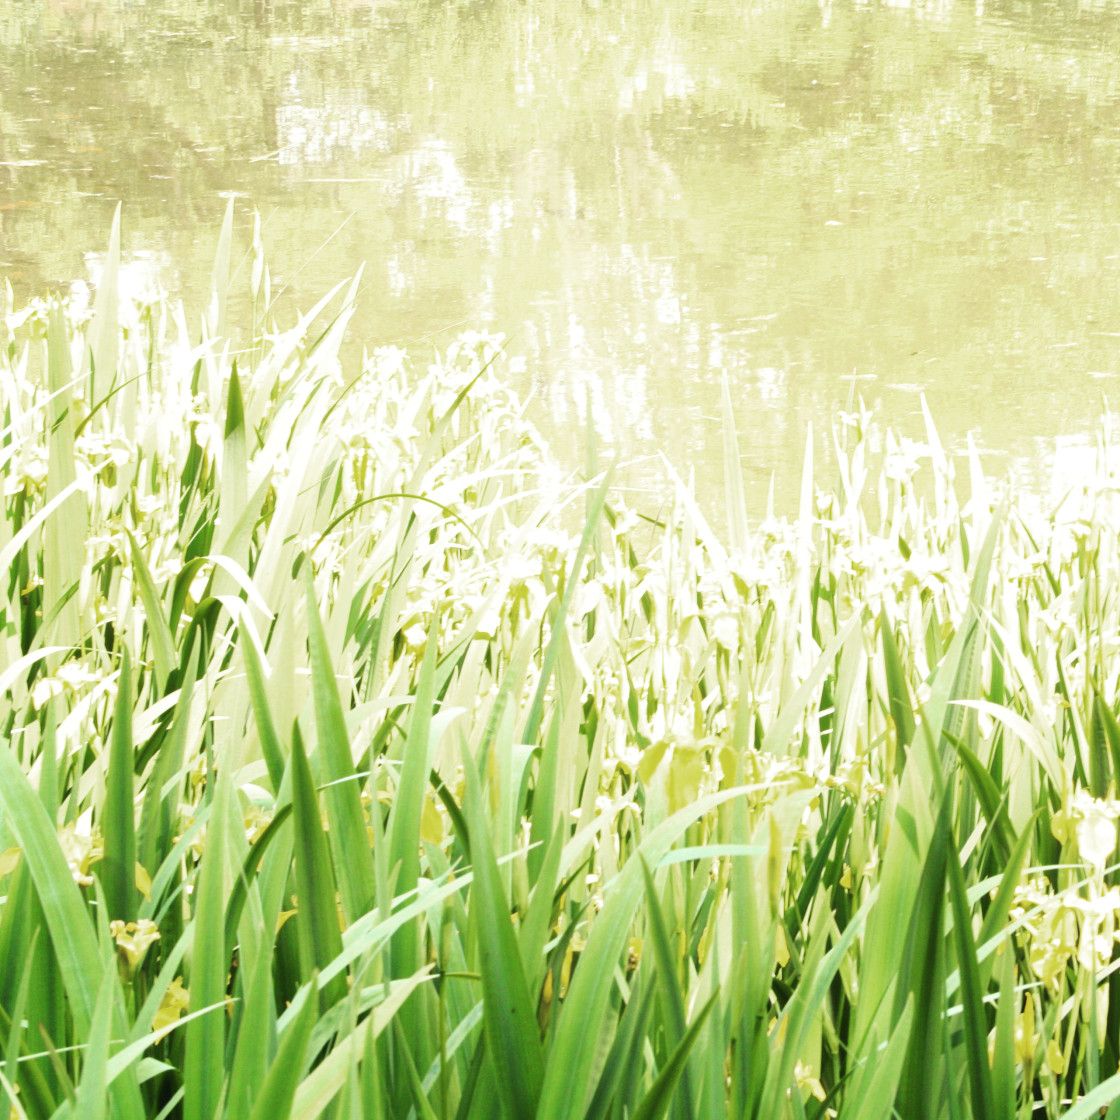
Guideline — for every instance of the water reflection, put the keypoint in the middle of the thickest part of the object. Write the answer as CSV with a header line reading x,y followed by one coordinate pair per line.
x,y
922,196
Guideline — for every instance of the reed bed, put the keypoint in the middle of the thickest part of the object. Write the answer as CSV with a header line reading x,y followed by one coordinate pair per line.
x,y
338,778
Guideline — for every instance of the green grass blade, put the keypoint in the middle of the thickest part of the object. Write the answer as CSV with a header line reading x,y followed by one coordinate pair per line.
x,y
835,830
669,985
81,964
625,1057
1111,729
1000,906
75,946
992,801
159,633
269,737
897,692
1003,1065
118,822
277,1093
872,1091
420,1101
921,976
317,912
64,534
252,862
233,497
948,683
581,1017
509,1014
1106,742
972,994
779,735
154,841
806,1002
322,1085
1090,1105
535,926
30,1076
11,550
656,1102
370,1083
408,805
203,1062
350,848
552,651
255,1031
91,1096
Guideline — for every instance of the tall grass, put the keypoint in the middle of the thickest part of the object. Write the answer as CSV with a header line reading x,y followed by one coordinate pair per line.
x,y
339,779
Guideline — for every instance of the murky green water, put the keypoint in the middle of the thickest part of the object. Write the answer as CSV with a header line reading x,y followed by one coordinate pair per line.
x,y
642,195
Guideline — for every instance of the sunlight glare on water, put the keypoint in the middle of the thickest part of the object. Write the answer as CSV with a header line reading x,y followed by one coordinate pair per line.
x,y
902,198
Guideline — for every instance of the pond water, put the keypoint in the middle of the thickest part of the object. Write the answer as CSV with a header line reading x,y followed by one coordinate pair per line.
x,y
642,196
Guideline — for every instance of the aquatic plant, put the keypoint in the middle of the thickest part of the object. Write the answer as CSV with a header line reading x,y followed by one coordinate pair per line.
x,y
338,778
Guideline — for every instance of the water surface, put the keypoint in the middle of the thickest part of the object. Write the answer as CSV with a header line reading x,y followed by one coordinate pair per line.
x,y
643,196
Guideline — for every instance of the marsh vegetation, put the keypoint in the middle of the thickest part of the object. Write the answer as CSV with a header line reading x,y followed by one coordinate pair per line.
x,y
340,777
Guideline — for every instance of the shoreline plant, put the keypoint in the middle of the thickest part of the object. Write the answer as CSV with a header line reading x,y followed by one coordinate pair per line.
x,y
338,778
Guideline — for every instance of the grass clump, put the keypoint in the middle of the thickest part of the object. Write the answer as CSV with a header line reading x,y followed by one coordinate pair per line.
x,y
338,779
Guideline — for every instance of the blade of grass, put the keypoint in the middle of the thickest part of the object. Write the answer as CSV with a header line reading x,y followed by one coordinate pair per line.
x,y
509,1016
669,987
656,1102
233,496
1003,1058
581,1016
1106,739
249,867
91,1095
871,1093
118,822
350,848
63,535
797,1018
948,683
921,976
408,805
255,1027
420,1101
159,633
277,1094
203,1061
319,1088
81,963
36,1093
897,692
992,802
1000,907
262,711
1090,1105
535,926
317,913
67,918
154,842
779,735
552,651
972,994
625,1056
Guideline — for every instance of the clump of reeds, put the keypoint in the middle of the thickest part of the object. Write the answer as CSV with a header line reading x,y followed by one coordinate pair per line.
x,y
338,779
